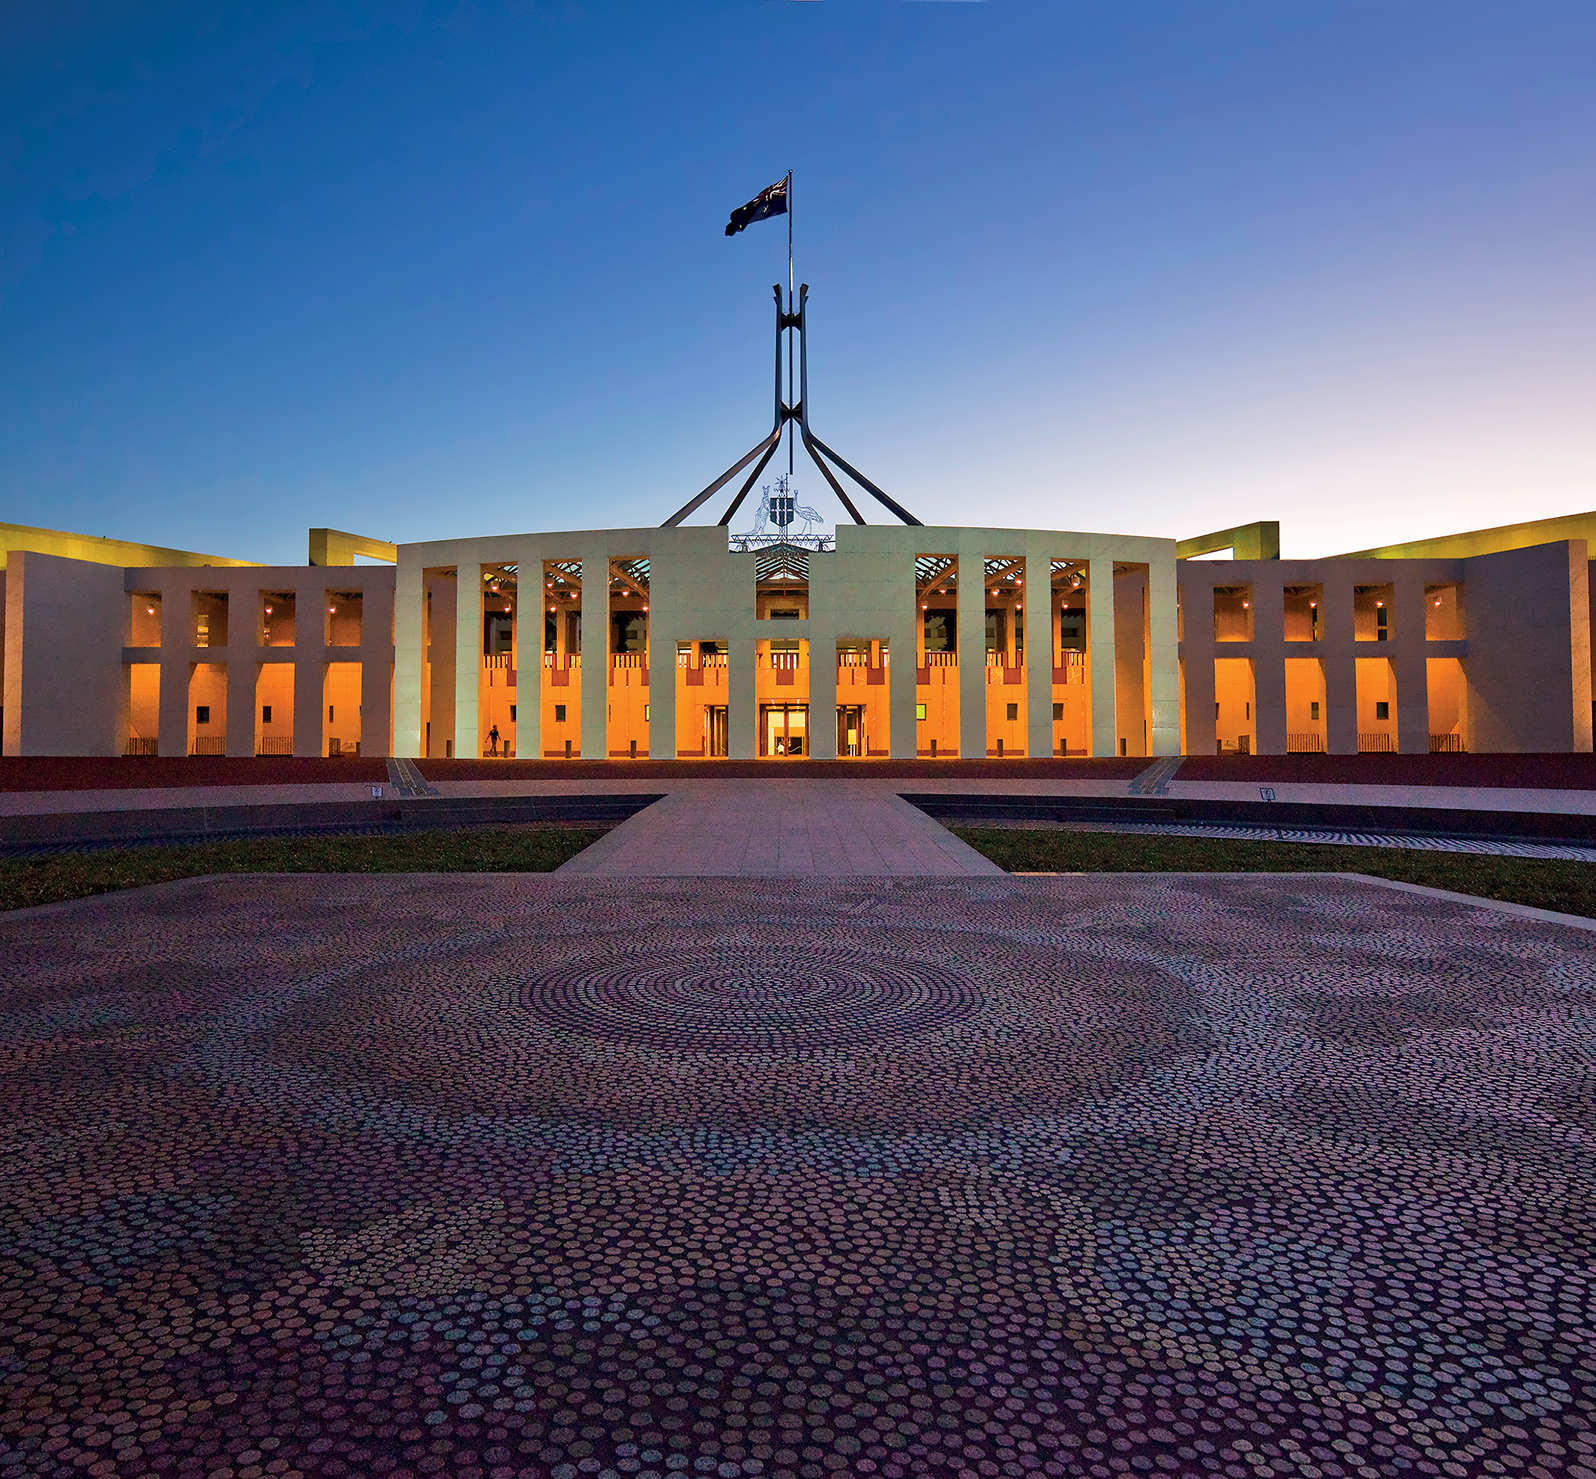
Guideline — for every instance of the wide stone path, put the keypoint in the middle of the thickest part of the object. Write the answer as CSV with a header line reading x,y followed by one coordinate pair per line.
x,y
535,1178
765,828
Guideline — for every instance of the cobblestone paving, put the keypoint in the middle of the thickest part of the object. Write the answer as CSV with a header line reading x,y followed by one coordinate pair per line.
x,y
1082,1176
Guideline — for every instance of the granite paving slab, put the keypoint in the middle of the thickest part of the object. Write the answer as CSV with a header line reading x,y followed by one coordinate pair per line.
x,y
556,1176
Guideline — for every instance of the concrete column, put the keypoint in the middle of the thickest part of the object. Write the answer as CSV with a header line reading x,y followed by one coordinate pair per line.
x,y
1408,661
661,690
822,695
376,700
595,651
1163,638
177,663
1269,658
742,715
468,661
409,635
242,673
1339,652
904,740
1197,655
1100,653
1040,643
972,654
531,611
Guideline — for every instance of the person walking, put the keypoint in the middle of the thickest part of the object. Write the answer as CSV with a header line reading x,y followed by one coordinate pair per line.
x,y
493,740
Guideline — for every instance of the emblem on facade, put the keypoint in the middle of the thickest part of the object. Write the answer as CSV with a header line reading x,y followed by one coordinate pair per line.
x,y
779,509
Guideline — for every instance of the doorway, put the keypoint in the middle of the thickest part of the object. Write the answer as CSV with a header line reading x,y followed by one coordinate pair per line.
x,y
784,729
850,730
718,731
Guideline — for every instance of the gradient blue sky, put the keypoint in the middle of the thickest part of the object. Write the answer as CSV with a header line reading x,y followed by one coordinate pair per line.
x,y
424,270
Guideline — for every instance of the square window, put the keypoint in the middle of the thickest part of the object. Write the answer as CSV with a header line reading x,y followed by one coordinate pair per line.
x,y
919,711
1382,711
265,713
202,713
1014,711
559,713
1313,710
1058,713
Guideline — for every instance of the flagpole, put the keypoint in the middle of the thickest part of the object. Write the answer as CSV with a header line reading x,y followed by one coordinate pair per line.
x,y
789,311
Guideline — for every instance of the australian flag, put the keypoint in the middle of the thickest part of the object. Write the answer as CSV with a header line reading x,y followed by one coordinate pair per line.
x,y
771,201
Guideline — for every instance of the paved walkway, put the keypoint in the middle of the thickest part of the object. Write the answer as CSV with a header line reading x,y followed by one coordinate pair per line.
x,y
741,829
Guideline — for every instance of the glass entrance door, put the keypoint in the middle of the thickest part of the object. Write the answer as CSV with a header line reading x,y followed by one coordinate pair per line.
x,y
784,729
717,731
850,730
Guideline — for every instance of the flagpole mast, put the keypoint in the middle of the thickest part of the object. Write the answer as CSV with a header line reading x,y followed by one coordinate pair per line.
x,y
789,311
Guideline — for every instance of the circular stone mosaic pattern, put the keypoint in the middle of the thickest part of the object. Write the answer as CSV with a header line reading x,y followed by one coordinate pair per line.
x,y
480,1177
759,999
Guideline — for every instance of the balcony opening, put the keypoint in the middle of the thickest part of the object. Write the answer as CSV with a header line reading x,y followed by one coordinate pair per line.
x,y
863,711
1232,613
781,583
561,674
143,709
498,679
626,705
210,619
1005,655
1371,613
1443,613
274,706
344,613
144,624
276,619
936,681
207,709
1377,705
1304,603
701,678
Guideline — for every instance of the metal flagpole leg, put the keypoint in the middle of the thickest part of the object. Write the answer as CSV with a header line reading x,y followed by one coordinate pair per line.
x,y
789,314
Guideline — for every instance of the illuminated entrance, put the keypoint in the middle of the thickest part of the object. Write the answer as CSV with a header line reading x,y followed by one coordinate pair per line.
x,y
784,729
850,730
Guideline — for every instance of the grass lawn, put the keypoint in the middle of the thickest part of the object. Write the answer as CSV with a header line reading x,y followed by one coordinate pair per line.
x,y
522,849
1569,888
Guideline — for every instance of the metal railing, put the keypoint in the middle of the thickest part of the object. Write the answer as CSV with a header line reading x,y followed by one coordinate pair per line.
x,y
1304,744
1375,744
142,745
205,745
276,744
1447,744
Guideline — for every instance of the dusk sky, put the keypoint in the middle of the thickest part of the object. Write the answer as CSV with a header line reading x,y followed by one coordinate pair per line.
x,y
434,270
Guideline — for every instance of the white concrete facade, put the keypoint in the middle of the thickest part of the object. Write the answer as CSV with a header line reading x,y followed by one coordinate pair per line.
x,y
865,588
1489,652
74,641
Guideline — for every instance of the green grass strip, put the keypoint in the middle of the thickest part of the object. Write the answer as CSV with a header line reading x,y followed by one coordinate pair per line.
x,y
1542,883
49,880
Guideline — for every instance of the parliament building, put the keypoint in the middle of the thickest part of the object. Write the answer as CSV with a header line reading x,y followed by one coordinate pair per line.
x,y
879,641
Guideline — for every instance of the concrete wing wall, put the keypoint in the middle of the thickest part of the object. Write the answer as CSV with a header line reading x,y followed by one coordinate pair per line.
x,y
65,687
1528,664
